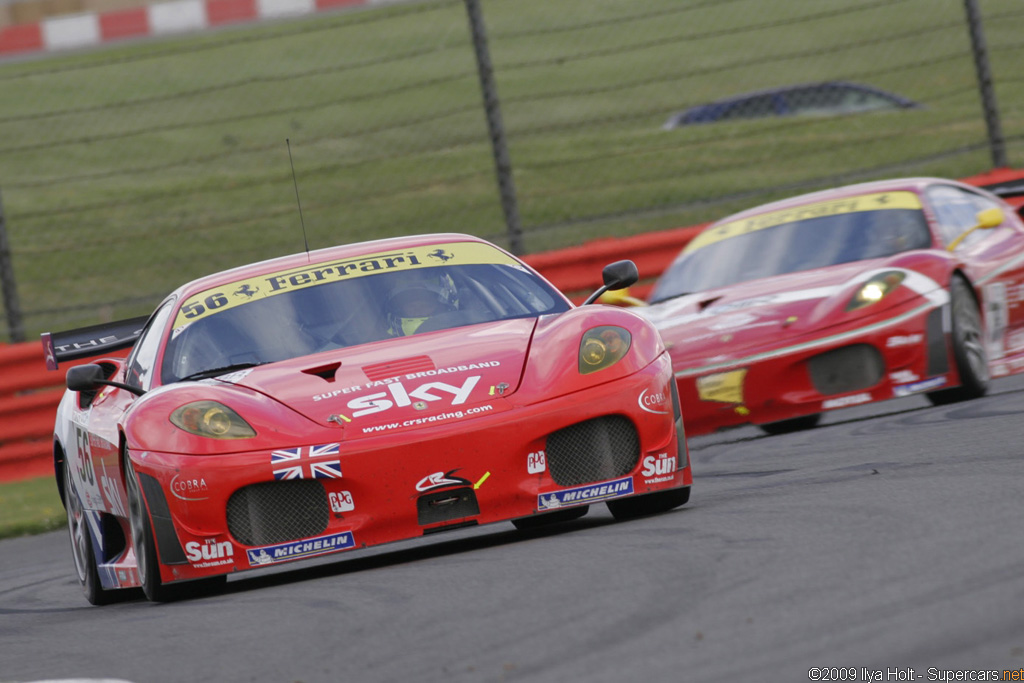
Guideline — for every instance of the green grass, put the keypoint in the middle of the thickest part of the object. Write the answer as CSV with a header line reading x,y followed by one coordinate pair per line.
x,y
31,506
128,170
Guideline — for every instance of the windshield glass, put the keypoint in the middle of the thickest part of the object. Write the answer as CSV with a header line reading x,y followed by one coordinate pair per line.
x,y
790,246
340,312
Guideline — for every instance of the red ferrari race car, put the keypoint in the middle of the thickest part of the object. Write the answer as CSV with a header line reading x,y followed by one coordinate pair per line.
x,y
349,397
862,293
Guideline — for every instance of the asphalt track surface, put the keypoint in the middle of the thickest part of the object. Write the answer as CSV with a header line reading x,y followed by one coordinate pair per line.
x,y
889,539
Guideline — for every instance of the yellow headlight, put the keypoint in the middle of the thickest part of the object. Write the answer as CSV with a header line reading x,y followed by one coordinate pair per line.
x,y
602,347
211,419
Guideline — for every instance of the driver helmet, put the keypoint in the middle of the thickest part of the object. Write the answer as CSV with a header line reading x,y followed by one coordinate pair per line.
x,y
417,297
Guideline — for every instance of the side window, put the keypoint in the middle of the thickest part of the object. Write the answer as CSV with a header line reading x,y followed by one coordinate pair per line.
x,y
143,356
957,212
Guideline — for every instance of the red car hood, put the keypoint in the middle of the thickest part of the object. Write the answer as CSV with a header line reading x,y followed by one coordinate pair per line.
x,y
732,320
414,379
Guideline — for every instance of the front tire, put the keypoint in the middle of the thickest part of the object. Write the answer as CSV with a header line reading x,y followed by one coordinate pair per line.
x,y
142,539
968,342
81,545
145,550
549,518
648,503
795,424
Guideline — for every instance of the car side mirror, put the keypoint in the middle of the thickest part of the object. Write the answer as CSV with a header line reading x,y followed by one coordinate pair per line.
x,y
618,275
85,377
91,377
985,220
990,218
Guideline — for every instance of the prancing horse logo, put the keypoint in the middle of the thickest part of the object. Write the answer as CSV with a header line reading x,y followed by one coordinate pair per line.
x,y
441,255
246,291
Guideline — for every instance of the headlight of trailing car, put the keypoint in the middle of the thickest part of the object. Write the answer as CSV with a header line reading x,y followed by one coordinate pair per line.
x,y
603,347
211,419
876,289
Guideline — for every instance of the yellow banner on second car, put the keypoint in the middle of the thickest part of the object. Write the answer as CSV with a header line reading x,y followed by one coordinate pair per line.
x,y
879,201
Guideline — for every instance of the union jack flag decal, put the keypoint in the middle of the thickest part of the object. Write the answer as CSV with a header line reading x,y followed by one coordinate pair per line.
x,y
298,463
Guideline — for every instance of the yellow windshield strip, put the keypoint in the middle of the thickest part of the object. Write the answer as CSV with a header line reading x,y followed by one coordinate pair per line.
x,y
879,201
236,293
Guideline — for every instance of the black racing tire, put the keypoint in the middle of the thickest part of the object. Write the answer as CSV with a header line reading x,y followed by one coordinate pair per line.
x,y
968,341
81,545
648,503
142,539
145,551
796,424
549,518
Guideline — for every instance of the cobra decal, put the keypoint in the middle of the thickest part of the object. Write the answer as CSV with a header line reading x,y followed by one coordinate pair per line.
x,y
650,402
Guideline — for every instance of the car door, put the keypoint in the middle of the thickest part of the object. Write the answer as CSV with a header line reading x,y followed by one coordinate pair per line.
x,y
96,451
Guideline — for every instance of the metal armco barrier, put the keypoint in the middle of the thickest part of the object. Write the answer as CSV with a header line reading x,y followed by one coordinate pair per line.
x,y
29,394
577,270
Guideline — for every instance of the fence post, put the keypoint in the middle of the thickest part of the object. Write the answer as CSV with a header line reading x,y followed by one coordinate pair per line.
x,y
10,291
988,96
502,162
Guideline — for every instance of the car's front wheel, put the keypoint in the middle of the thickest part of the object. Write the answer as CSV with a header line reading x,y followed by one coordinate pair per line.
x,y
795,424
968,341
145,550
648,503
549,518
142,538
81,545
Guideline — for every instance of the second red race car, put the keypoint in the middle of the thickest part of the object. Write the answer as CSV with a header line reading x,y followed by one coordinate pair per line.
x,y
349,397
780,313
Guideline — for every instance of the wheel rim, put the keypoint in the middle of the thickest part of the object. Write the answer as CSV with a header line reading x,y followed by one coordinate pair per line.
x,y
136,516
76,527
969,328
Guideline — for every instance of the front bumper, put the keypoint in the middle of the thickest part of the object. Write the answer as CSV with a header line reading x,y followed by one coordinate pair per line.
x,y
903,353
219,514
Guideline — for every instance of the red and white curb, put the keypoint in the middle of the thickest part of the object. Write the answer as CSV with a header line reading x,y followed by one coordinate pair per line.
x,y
78,31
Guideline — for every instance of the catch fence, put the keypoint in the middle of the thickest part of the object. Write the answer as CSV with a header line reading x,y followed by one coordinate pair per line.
x,y
128,169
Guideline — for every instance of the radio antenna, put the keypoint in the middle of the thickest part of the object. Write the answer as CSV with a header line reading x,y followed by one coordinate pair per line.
x,y
298,201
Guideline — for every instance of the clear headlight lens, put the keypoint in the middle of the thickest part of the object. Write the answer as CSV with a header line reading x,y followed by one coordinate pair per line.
x,y
876,289
211,419
602,347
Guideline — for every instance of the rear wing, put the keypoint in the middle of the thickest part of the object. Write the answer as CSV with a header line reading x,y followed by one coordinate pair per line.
x,y
95,340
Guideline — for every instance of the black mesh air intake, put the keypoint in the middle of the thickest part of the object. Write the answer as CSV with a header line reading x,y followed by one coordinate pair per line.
x,y
849,368
595,450
277,512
